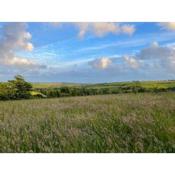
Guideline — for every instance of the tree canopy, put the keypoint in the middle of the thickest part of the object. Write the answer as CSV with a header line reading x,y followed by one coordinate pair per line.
x,y
15,89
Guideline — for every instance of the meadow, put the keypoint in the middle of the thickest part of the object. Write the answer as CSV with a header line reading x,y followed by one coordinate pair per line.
x,y
144,84
141,122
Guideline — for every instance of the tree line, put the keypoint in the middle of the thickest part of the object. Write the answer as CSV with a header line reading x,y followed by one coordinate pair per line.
x,y
19,88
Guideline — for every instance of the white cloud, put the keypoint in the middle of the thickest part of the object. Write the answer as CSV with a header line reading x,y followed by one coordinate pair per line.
x,y
168,25
154,57
154,51
22,63
19,61
101,63
115,62
128,29
83,28
101,29
15,38
131,62
163,55
29,47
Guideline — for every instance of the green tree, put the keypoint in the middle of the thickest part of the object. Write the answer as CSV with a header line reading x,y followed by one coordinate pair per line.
x,y
21,87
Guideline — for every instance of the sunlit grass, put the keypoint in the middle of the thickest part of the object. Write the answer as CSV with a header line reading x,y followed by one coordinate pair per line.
x,y
143,122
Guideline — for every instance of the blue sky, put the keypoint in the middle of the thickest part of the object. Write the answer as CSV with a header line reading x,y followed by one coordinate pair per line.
x,y
87,52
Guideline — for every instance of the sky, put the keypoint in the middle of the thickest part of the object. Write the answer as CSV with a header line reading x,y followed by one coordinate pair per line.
x,y
88,52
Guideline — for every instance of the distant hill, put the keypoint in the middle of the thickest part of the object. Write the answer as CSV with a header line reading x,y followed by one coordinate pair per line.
x,y
145,84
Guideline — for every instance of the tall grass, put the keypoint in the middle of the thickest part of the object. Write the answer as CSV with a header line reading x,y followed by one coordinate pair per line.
x,y
142,122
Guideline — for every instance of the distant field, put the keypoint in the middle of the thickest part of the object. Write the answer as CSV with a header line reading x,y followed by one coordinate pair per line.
x,y
144,84
53,85
143,122
50,90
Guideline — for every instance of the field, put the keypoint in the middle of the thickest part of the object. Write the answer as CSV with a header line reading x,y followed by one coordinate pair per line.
x,y
142,122
54,85
51,90
145,84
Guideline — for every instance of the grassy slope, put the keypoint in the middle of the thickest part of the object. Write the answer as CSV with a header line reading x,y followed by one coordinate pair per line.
x,y
144,84
109,123
54,85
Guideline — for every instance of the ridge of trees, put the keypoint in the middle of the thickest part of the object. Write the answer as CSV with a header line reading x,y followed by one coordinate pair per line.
x,y
19,88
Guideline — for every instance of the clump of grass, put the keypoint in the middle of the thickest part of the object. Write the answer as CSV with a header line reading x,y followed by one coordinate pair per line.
x,y
109,123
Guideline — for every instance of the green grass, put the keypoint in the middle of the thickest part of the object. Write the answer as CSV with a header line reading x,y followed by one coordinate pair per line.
x,y
144,84
143,122
54,85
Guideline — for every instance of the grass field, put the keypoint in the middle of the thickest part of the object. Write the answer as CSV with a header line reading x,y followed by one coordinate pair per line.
x,y
143,122
144,84
54,85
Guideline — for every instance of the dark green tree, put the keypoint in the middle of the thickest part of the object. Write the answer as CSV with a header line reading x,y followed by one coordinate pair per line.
x,y
21,87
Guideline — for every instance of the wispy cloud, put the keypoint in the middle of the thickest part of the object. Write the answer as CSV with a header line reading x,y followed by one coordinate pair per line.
x,y
136,41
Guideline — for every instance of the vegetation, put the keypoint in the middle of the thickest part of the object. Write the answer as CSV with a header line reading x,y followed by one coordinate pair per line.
x,y
107,88
15,89
142,122
131,121
20,89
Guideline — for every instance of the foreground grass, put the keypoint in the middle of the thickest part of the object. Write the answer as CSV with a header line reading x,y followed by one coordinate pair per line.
x,y
109,123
